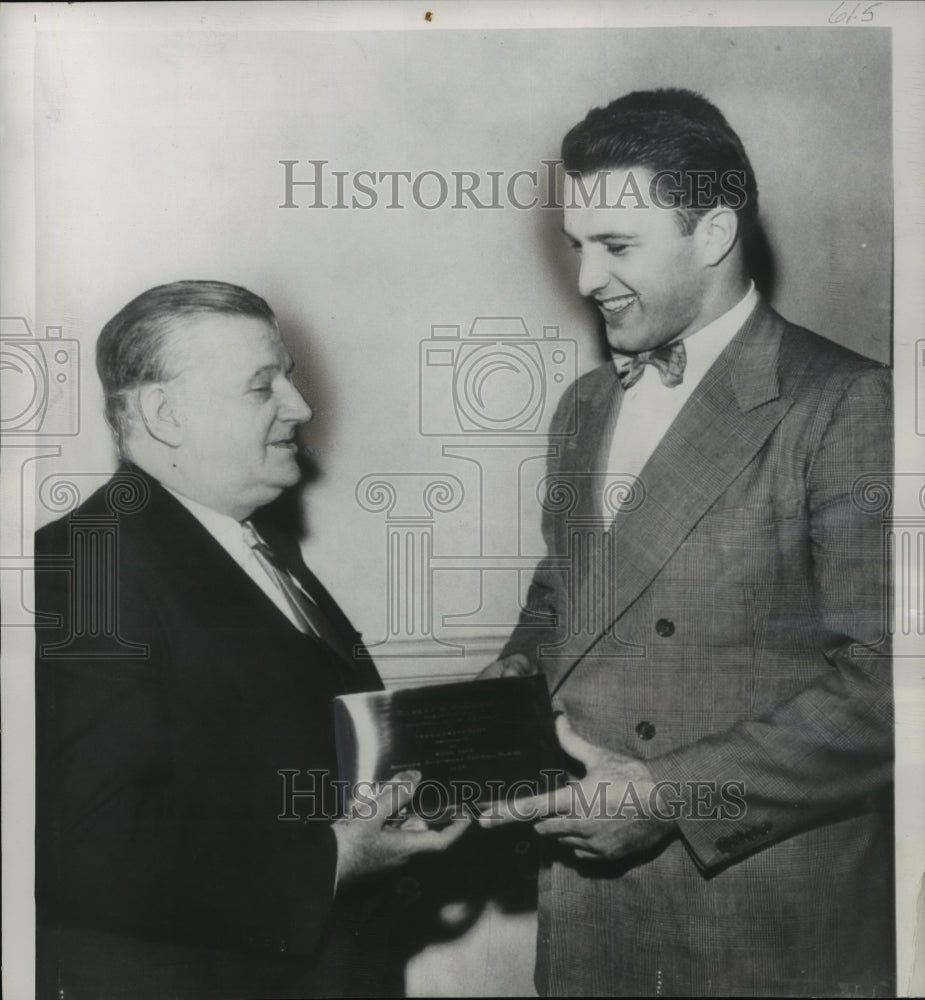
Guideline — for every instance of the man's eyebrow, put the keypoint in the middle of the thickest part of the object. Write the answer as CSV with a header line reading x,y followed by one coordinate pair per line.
x,y
276,366
603,237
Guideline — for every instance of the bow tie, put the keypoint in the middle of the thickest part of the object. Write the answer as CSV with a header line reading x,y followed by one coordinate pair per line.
x,y
669,360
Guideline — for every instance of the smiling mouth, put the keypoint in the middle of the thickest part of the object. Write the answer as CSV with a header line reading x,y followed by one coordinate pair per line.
x,y
616,305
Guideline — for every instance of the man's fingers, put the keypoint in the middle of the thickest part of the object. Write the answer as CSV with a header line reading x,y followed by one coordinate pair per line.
x,y
516,665
493,670
412,823
450,834
563,835
526,809
560,826
429,841
576,843
574,745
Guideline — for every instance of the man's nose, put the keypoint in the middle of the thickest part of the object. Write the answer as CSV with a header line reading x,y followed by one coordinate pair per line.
x,y
294,407
592,274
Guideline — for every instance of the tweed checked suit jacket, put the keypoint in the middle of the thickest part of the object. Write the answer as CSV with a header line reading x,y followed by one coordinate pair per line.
x,y
737,634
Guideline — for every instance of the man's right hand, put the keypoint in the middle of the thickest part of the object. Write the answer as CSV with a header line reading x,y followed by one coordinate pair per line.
x,y
516,665
377,836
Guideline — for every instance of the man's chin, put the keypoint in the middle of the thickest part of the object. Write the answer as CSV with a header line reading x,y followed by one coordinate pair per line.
x,y
618,341
625,341
271,490
286,480
283,458
274,482
289,474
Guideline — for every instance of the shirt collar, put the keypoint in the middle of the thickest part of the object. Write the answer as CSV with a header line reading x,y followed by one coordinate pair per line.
x,y
712,338
725,327
222,527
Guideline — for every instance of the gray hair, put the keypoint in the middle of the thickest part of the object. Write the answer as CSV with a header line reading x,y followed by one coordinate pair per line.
x,y
131,350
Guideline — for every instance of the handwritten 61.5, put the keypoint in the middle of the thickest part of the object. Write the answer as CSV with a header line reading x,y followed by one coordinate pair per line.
x,y
861,12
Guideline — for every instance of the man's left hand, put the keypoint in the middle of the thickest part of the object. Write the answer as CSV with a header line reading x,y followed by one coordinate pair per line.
x,y
606,814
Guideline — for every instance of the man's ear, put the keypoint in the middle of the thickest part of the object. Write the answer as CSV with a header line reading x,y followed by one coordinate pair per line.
x,y
158,411
716,234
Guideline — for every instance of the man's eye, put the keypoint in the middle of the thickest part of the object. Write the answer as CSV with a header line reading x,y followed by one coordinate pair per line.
x,y
617,249
262,390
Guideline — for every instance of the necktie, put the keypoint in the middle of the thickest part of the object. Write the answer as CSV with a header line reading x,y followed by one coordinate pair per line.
x,y
313,620
669,360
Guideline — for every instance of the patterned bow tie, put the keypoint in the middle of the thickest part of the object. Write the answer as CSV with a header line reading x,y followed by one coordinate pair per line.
x,y
669,360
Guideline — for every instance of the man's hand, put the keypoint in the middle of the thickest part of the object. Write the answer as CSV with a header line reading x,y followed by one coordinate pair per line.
x,y
376,838
511,666
607,814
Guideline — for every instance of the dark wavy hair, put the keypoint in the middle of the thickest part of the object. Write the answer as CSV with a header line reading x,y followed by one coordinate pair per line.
x,y
131,350
671,130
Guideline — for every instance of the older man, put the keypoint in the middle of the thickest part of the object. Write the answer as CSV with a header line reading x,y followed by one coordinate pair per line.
x,y
186,840
718,588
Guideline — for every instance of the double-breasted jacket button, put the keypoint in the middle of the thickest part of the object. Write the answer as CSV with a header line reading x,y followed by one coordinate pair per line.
x,y
664,628
645,730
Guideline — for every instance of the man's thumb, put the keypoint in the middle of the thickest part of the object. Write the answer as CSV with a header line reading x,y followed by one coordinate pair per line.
x,y
573,744
393,795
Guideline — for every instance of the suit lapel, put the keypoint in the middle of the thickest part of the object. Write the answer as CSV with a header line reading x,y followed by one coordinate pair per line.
x,y
358,670
598,400
188,544
185,543
584,454
718,431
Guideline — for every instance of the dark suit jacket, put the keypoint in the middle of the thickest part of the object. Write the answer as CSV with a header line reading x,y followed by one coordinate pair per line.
x,y
732,629
169,696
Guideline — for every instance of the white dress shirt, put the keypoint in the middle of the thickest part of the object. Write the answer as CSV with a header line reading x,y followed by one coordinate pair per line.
x,y
649,407
230,534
